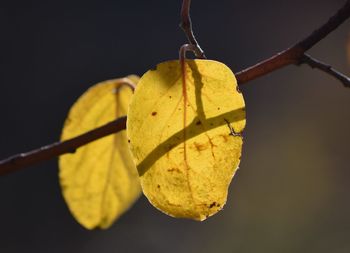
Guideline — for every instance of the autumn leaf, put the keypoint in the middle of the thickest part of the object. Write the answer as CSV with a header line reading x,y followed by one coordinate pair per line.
x,y
185,136
99,181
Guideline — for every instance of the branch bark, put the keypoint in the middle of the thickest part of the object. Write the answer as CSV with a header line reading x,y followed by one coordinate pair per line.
x,y
314,63
293,55
45,153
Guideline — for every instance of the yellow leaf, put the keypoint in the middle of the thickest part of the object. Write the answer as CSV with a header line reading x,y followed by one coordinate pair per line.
x,y
186,142
99,182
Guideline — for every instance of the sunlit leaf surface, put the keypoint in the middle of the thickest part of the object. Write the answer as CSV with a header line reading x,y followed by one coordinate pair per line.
x,y
99,181
185,136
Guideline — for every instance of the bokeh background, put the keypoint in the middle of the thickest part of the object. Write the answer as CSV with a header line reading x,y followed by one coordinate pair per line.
x,y
291,193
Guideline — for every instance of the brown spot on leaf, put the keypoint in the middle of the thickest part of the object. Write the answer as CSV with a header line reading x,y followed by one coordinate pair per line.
x,y
174,170
158,186
169,96
212,205
218,108
225,137
198,123
200,147
154,113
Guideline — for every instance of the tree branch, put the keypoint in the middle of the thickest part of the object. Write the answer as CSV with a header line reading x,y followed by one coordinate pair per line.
x,y
292,55
45,153
313,63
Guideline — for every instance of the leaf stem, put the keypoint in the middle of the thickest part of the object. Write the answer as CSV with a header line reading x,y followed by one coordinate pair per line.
x,y
182,58
186,26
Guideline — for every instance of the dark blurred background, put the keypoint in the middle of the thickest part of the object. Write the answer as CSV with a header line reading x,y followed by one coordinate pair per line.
x,y
291,193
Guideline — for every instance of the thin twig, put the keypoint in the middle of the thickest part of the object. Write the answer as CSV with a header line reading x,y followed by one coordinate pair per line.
x,y
186,26
292,55
314,63
23,160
